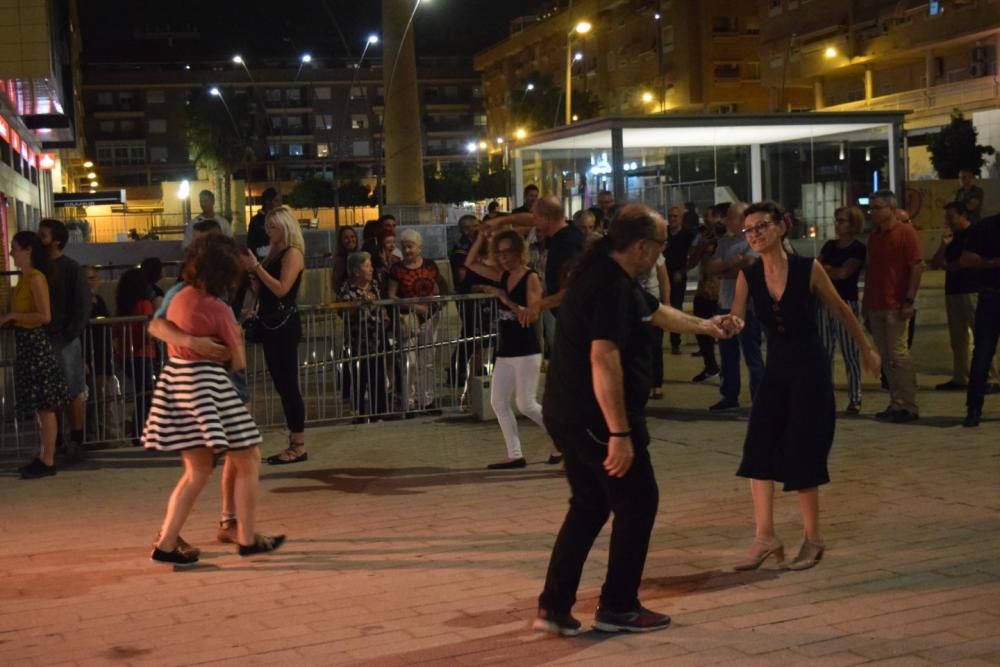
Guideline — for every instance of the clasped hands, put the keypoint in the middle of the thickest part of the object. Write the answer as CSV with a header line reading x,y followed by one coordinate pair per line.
x,y
723,326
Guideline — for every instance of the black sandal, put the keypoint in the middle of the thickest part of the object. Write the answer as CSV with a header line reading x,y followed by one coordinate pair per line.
x,y
281,458
262,545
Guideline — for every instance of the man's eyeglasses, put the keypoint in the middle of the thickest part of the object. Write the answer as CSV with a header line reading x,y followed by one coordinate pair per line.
x,y
756,229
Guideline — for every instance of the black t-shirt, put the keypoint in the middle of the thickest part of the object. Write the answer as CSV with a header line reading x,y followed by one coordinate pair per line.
x,y
560,248
515,340
835,256
257,237
962,281
984,240
603,303
676,251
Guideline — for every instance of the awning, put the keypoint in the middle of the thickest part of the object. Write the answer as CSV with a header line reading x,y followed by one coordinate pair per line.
x,y
103,197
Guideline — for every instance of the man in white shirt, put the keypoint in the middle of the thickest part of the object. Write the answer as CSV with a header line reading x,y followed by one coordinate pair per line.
x,y
207,202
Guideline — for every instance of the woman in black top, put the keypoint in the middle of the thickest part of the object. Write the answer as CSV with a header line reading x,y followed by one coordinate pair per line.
x,y
519,356
276,282
843,260
792,421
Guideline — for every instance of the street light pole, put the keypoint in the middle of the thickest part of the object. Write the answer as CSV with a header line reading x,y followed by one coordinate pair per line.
x,y
372,39
215,92
581,28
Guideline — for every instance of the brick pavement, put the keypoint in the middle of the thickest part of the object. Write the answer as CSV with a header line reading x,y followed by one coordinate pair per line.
x,y
404,550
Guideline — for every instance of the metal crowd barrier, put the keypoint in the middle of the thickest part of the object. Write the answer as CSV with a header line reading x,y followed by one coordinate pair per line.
x,y
382,359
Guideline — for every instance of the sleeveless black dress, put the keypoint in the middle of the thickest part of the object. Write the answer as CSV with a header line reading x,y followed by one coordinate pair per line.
x,y
793,415
280,317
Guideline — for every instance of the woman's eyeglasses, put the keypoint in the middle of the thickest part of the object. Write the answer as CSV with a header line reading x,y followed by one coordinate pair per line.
x,y
757,229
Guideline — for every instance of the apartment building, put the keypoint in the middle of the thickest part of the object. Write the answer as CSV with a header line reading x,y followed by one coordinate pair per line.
x,y
639,56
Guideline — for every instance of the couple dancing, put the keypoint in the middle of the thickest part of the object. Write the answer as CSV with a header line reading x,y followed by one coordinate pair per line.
x,y
595,411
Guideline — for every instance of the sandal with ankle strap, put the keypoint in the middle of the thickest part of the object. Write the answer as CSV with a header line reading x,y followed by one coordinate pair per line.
x,y
294,453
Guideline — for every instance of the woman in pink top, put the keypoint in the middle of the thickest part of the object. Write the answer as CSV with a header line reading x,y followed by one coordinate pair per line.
x,y
197,410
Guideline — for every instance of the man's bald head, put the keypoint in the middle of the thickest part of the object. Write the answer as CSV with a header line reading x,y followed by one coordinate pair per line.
x,y
549,213
734,216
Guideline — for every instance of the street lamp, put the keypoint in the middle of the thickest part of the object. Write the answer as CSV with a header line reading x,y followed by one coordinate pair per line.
x,y
304,59
92,175
238,59
581,28
88,164
521,133
647,97
184,194
830,52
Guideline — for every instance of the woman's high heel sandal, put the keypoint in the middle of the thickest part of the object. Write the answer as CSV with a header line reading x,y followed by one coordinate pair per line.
x,y
810,553
760,551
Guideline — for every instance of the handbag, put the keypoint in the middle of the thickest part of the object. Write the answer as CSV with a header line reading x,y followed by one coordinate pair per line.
x,y
256,327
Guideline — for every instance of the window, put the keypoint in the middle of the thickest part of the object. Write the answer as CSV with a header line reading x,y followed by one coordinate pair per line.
x,y
295,150
751,71
324,121
322,92
668,38
723,25
451,91
121,155
104,155
127,125
272,95
155,97
293,94
773,7
157,126
477,93
479,120
935,8
126,101
361,148
726,71
106,126
157,154
105,99
322,150
359,121
293,122
273,151
357,92
137,154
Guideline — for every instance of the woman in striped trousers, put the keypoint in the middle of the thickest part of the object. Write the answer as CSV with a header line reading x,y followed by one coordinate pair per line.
x,y
843,259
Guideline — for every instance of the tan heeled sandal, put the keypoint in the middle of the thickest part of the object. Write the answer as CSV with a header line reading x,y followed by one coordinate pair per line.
x,y
760,551
810,553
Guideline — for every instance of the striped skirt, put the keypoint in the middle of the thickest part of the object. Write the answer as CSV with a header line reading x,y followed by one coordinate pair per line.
x,y
196,405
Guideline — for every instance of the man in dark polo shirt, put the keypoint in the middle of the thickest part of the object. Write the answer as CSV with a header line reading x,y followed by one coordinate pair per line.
x,y
982,254
530,197
970,194
959,295
595,397
678,244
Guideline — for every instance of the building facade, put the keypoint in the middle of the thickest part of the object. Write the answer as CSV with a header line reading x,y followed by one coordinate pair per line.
x,y
38,58
640,56
924,57
299,119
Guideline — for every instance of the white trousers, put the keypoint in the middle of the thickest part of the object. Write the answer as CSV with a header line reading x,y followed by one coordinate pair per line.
x,y
516,376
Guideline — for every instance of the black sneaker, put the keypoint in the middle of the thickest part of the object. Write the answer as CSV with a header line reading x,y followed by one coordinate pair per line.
x,y
904,417
853,409
972,419
886,415
508,465
556,624
182,546
704,375
262,545
175,557
725,404
554,459
951,385
640,620
36,470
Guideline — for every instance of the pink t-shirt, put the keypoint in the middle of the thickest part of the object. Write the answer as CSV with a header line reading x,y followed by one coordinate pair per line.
x,y
201,314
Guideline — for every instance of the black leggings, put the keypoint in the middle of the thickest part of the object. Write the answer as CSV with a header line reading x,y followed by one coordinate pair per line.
x,y
281,354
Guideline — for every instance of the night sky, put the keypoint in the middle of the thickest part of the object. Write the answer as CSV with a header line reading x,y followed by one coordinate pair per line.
x,y
286,28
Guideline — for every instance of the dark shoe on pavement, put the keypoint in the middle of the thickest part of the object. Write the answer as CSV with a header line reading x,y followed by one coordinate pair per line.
x,y
36,470
993,388
904,417
72,453
640,620
725,404
951,385
175,557
557,624
289,455
508,465
704,375
853,409
972,419
554,459
675,350
262,545
886,415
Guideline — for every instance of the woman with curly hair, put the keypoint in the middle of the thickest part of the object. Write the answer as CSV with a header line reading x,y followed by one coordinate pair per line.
x,y
38,379
196,408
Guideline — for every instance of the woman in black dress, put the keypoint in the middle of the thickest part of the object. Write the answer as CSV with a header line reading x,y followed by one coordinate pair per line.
x,y
792,420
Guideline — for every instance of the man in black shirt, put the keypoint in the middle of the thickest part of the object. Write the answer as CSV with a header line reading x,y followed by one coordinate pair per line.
x,y
594,404
959,295
530,197
70,301
475,315
982,253
679,240
257,239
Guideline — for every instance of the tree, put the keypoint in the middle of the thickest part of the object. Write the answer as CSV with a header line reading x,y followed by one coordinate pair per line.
x,y
453,184
954,148
314,193
543,106
493,179
214,142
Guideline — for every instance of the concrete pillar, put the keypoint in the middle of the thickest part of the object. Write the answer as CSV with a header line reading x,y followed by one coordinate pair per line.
x,y
403,140
819,100
869,84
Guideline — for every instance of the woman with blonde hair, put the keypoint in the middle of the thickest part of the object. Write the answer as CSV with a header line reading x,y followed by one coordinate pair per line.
x,y
843,259
276,281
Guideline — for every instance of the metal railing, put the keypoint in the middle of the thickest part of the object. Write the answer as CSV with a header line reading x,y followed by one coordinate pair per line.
x,y
381,359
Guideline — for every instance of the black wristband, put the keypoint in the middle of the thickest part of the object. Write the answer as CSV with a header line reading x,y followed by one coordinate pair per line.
x,y
623,434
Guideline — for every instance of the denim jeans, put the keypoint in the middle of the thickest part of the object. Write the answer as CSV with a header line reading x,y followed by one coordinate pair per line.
x,y
729,351
984,346
634,499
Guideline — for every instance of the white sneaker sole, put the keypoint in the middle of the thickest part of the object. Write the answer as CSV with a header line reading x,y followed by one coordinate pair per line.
x,y
550,627
609,627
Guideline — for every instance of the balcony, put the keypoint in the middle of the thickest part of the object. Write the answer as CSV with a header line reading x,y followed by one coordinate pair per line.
x,y
967,95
